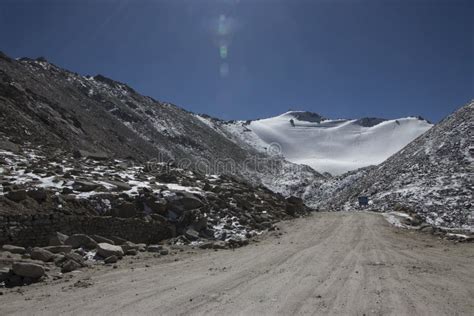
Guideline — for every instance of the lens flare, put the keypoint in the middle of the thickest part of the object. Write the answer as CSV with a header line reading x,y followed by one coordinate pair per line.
x,y
223,51
224,70
223,27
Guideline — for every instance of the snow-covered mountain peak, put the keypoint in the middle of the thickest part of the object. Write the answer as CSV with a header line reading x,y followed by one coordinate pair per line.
x,y
334,146
302,116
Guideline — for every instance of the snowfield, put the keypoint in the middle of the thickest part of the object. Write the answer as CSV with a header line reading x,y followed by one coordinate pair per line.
x,y
334,146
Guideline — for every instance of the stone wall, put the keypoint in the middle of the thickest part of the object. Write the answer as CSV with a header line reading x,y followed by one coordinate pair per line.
x,y
35,230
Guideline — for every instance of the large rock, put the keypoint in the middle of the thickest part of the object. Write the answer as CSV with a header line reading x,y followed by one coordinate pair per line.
x,y
28,270
14,249
69,266
59,249
106,250
120,186
111,259
154,248
17,195
75,257
128,245
185,201
58,239
131,252
190,202
99,238
191,234
41,254
84,186
81,240
118,240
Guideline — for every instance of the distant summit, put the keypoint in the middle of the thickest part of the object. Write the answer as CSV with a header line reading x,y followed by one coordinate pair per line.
x,y
327,145
305,116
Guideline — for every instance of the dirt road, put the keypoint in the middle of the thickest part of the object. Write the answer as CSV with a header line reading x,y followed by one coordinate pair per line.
x,y
330,263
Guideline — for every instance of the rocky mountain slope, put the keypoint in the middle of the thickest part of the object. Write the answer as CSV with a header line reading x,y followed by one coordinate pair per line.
x,y
333,146
43,192
432,177
45,105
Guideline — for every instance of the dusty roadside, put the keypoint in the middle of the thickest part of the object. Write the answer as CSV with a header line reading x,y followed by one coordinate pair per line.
x,y
329,263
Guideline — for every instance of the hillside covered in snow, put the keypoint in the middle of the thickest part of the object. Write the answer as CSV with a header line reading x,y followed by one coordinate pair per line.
x,y
333,146
432,177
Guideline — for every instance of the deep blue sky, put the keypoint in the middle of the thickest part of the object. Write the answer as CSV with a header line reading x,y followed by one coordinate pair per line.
x,y
250,59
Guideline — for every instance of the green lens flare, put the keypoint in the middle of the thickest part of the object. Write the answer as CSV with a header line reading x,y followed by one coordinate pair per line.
x,y
223,51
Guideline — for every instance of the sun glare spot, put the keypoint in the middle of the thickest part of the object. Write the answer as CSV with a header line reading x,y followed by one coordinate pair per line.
x,y
223,51
224,70
223,27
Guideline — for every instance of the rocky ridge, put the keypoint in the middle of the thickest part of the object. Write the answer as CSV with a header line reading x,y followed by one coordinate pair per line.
x,y
51,107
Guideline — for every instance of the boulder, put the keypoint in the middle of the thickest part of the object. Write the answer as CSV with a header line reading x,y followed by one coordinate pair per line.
x,y
111,259
190,202
191,234
99,239
128,245
58,239
118,240
185,201
164,252
17,195
41,254
81,240
106,250
84,186
69,266
28,270
131,252
141,247
120,186
59,249
14,249
154,248
75,257
59,259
